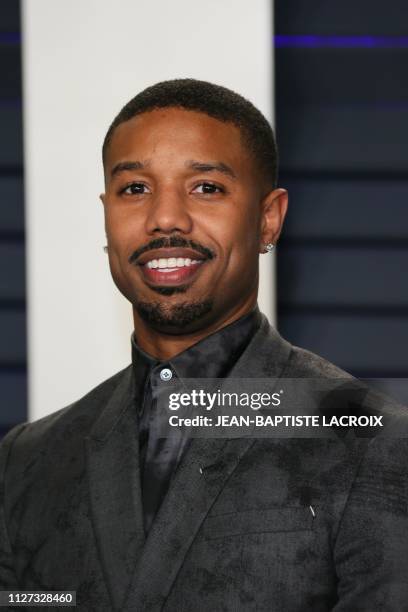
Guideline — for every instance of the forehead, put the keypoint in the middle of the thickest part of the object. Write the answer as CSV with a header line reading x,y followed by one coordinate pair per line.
x,y
177,134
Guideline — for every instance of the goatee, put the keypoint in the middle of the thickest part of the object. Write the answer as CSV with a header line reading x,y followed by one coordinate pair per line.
x,y
173,318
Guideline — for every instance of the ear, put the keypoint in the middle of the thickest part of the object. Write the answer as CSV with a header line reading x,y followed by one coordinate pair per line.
x,y
102,198
274,207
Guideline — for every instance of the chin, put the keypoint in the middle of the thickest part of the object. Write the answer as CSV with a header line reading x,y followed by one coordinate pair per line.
x,y
175,318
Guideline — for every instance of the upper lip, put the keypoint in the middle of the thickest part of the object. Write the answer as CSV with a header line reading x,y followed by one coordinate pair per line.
x,y
167,253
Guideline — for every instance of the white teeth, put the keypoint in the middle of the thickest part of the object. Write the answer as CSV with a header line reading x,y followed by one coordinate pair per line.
x,y
171,262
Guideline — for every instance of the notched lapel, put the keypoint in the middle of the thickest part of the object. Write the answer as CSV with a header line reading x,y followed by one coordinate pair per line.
x,y
202,474
114,484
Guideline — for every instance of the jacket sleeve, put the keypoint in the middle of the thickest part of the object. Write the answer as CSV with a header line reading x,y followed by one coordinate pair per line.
x,y
371,549
8,579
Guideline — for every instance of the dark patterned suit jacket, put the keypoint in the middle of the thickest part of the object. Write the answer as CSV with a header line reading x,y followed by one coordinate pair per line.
x,y
235,531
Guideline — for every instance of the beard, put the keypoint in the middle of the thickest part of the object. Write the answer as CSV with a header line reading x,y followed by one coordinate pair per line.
x,y
173,319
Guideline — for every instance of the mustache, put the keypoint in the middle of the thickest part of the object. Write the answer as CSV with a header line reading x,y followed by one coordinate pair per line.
x,y
172,241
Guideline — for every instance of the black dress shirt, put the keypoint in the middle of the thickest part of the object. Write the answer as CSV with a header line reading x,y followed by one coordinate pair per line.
x,y
212,357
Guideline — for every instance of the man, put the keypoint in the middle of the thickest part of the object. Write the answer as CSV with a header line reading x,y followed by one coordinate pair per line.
x,y
94,500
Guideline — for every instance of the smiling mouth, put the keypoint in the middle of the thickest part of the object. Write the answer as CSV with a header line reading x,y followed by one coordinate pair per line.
x,y
171,267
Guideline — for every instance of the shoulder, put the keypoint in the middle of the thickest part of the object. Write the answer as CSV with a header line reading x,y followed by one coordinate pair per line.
x,y
339,392
305,364
66,424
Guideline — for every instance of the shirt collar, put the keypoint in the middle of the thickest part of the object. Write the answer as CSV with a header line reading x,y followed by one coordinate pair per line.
x,y
211,357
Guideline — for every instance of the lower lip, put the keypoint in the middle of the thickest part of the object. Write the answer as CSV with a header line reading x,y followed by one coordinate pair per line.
x,y
177,276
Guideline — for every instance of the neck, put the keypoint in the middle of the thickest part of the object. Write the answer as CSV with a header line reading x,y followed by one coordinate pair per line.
x,y
164,346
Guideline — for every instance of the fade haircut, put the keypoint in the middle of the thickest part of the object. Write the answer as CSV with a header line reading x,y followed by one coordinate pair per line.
x,y
215,101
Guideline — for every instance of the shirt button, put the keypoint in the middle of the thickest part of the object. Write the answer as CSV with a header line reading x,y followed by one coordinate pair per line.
x,y
166,374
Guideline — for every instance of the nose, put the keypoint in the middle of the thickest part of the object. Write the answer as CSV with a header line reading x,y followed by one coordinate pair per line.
x,y
168,213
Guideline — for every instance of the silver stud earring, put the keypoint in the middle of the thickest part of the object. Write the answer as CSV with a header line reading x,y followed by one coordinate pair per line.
x,y
269,247
105,249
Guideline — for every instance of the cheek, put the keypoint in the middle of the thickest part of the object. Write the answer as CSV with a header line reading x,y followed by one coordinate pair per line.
x,y
240,223
245,234
240,248
122,229
121,239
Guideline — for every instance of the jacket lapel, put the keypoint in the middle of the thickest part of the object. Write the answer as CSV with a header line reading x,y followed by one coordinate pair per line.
x,y
114,483
203,471
197,482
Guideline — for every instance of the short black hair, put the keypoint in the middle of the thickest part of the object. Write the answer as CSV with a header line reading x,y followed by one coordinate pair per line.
x,y
215,101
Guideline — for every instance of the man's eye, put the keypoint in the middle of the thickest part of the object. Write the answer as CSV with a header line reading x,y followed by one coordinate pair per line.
x,y
207,188
135,189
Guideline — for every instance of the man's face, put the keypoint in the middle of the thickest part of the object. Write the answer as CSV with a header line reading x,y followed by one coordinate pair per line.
x,y
184,218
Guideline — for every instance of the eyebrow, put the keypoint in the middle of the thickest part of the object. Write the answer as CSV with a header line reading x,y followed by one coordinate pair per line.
x,y
125,166
211,167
